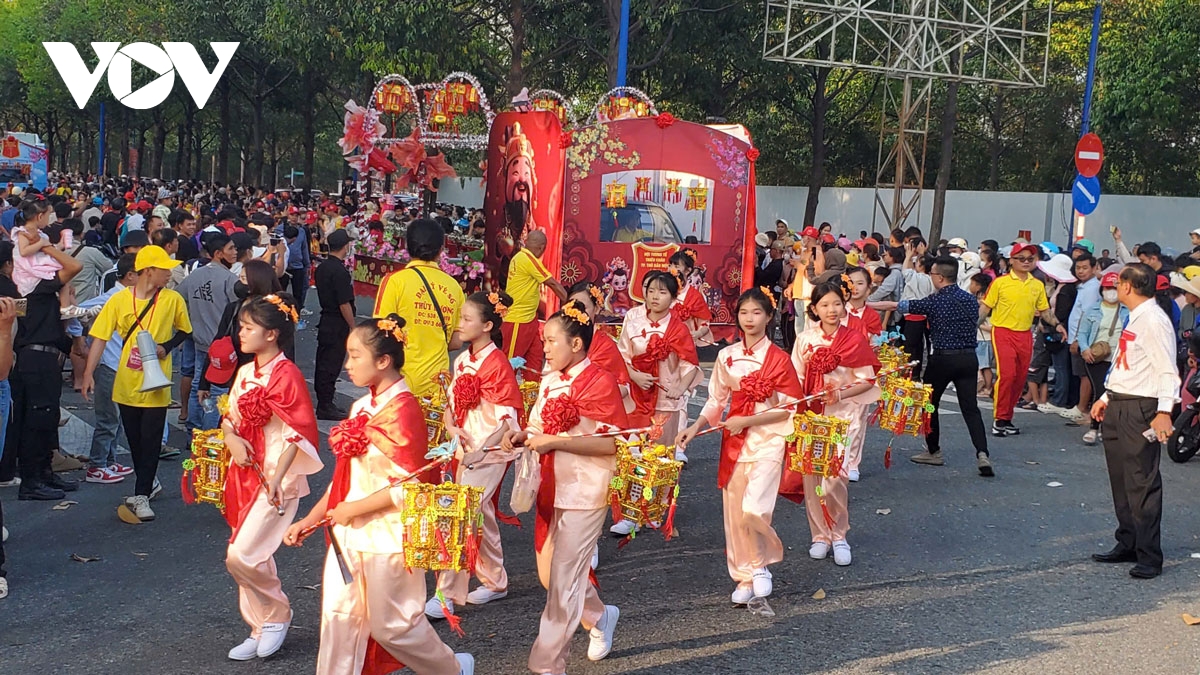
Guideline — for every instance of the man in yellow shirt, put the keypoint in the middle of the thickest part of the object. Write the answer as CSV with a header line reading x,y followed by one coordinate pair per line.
x,y
429,300
150,307
1013,301
526,275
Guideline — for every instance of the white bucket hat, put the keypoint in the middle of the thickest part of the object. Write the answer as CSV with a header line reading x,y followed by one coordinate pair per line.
x,y
1059,268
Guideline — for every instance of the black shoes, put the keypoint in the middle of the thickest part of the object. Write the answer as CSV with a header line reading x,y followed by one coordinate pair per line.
x,y
1144,571
39,492
57,482
1004,428
1117,555
332,414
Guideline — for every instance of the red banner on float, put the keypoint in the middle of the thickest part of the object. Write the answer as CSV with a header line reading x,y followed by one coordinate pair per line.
x,y
524,191
369,272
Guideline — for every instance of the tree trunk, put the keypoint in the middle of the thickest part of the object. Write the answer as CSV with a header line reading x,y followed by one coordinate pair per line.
x,y
946,162
223,134
516,69
257,168
612,10
198,172
122,165
310,133
816,177
160,145
995,143
141,155
181,148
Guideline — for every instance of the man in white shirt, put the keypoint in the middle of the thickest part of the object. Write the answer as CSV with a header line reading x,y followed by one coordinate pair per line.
x,y
1143,387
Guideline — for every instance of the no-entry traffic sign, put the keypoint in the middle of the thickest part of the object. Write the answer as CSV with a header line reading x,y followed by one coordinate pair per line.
x,y
1089,155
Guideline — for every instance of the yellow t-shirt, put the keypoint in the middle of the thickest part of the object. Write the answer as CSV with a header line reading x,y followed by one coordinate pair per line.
x,y
427,352
526,274
165,318
1015,302
631,236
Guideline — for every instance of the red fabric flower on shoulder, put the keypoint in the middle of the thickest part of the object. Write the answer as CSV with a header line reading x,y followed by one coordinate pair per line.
x,y
349,437
824,361
559,414
255,411
681,312
664,120
566,139
752,154
757,387
467,396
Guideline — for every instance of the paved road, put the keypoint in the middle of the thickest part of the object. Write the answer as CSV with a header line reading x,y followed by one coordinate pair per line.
x,y
962,575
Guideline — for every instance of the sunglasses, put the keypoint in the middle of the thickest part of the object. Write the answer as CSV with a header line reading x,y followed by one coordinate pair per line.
x,y
1024,259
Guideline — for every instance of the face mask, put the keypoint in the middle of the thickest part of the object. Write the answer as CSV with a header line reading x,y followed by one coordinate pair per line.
x,y
1109,295
241,290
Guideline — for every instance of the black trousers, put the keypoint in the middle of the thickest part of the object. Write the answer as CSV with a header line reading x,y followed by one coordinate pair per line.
x,y
33,429
331,356
1134,477
143,430
961,368
299,284
915,335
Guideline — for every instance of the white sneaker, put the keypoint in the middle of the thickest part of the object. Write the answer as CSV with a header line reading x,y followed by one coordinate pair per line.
x,y
272,638
743,594
1049,408
433,608
680,456
1072,414
818,551
482,596
3,588
762,583
1091,436
466,663
602,634
3,534
841,553
853,475
14,482
623,528
245,651
156,490
596,557
140,506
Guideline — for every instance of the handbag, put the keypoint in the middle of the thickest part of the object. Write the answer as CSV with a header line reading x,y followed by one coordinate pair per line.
x,y
1101,350
526,481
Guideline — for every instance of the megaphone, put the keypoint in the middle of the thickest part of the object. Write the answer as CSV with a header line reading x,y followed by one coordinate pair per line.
x,y
153,377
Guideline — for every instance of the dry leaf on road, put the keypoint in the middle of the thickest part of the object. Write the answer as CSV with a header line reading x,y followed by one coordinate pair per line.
x,y
63,506
882,512
819,595
83,558
1191,620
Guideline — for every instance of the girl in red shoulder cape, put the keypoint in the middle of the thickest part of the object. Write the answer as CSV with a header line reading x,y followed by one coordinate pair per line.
x,y
270,427
485,402
577,400
661,356
829,356
858,316
375,623
758,383
691,307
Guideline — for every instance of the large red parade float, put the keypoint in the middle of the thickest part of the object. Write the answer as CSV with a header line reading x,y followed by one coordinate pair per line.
x,y
616,195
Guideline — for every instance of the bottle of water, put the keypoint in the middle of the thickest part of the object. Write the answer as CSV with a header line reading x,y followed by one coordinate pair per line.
x,y
209,405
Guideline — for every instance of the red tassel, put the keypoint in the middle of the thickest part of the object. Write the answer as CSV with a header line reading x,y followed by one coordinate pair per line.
x,y
472,547
625,541
508,519
186,488
669,523
887,456
441,542
592,578
875,415
615,499
829,522
453,621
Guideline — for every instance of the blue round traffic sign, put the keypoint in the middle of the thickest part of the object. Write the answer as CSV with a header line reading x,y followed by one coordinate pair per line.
x,y
1085,194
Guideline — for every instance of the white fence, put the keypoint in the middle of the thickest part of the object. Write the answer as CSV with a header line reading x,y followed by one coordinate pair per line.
x,y
971,215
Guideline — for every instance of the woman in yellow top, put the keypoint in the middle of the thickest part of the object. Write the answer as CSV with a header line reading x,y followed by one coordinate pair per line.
x,y
148,307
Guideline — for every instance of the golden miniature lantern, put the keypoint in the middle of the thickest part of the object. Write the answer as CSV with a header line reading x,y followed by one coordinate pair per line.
x,y
905,406
207,466
529,394
820,444
442,526
615,196
891,358
435,410
645,487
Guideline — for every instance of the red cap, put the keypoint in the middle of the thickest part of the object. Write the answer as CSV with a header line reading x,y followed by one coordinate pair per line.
x,y
222,362
1017,249
130,196
1162,284
374,218
810,232
1109,280
293,209
258,205
828,238
144,205
310,217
